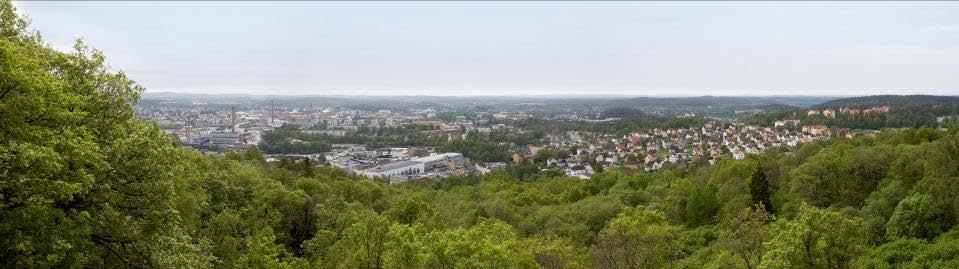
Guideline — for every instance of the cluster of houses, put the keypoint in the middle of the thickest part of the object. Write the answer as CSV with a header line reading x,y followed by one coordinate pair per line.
x,y
656,148
831,113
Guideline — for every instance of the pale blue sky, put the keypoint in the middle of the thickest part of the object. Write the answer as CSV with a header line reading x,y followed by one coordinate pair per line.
x,y
510,48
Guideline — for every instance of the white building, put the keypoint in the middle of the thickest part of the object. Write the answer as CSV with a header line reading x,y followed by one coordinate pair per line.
x,y
438,160
738,154
394,169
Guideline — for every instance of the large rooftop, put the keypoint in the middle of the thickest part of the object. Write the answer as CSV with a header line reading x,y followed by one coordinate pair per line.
x,y
439,157
391,166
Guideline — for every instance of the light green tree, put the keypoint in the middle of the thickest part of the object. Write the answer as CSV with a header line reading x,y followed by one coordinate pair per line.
x,y
637,238
84,183
745,234
814,238
916,216
364,242
263,252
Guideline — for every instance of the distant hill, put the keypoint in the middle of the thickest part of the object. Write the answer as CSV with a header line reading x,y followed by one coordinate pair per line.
x,y
379,102
721,101
723,106
719,106
904,111
890,100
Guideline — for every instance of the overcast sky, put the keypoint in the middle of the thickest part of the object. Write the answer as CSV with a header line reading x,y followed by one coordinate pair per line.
x,y
531,48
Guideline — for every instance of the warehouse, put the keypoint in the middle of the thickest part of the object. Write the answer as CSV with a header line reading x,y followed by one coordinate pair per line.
x,y
438,160
401,168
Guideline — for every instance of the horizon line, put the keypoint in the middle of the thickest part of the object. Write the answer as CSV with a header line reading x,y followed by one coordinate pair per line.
x,y
584,95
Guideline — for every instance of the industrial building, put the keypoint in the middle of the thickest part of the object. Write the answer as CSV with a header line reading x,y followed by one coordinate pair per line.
x,y
440,160
216,139
400,168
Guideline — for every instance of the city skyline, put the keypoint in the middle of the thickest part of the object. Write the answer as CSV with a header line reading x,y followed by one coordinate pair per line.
x,y
518,49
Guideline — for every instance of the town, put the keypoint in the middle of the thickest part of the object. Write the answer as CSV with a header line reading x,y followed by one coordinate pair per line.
x,y
577,153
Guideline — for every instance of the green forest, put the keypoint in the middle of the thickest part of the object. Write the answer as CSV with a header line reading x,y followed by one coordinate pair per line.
x,y
85,184
484,147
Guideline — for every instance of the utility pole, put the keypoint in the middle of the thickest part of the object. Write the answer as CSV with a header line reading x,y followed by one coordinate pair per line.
x,y
272,111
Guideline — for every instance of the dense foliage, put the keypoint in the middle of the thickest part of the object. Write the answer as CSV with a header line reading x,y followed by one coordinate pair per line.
x,y
619,121
289,139
83,183
484,147
632,119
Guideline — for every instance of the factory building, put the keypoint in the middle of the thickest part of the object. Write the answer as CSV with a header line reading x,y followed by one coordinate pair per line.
x,y
217,139
440,160
400,168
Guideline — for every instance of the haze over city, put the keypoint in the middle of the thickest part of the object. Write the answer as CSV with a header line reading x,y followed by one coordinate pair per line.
x,y
529,48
